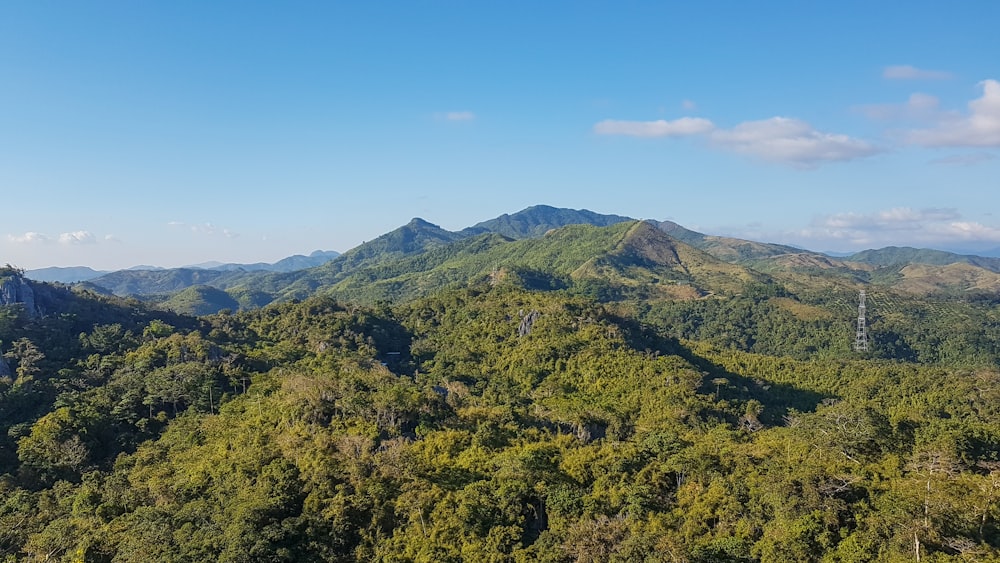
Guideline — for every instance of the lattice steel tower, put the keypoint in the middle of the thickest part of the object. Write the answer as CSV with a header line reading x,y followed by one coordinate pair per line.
x,y
861,339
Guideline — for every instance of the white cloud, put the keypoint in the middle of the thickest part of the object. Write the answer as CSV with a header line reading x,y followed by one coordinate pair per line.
x,y
204,229
969,231
456,116
207,229
965,159
908,72
979,128
688,105
682,127
922,103
29,238
897,218
791,141
936,227
929,214
69,238
778,139
918,107
78,237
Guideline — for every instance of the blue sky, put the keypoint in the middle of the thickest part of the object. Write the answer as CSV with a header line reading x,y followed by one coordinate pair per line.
x,y
178,132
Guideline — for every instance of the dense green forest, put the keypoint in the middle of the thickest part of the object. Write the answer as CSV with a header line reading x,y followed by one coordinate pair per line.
x,y
503,419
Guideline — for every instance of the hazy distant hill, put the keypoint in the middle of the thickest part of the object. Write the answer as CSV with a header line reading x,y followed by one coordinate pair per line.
x,y
71,274
143,280
300,262
289,264
167,280
895,256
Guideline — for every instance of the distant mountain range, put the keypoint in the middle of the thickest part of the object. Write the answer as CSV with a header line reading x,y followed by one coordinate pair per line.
x,y
605,256
893,255
71,274
289,264
82,273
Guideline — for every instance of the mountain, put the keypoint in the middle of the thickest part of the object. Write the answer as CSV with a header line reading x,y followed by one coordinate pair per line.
x,y
680,233
908,270
494,423
222,276
629,259
539,244
289,264
228,267
897,256
991,253
414,238
64,275
297,277
146,282
922,279
200,300
300,262
594,393
535,221
727,248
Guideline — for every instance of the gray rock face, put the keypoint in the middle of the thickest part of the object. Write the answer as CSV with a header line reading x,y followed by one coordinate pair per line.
x,y
15,289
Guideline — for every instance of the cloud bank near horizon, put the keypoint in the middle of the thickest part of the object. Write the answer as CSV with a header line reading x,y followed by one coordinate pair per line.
x,y
940,228
778,139
795,142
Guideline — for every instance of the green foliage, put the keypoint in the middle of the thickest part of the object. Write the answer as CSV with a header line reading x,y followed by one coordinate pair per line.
x,y
537,220
498,423
200,300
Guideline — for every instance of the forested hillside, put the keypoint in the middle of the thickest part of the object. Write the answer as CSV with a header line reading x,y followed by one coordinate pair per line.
x,y
284,280
606,257
506,419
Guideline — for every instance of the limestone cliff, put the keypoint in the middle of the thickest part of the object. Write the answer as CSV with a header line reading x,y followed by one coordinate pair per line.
x,y
14,289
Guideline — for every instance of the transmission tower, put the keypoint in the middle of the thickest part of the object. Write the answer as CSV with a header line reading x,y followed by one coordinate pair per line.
x,y
861,339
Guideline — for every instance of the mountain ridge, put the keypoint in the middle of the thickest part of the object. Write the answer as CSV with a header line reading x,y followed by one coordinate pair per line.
x,y
75,274
421,248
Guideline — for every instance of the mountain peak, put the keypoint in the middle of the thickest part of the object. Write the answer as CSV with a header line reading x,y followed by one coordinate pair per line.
x,y
679,232
417,222
536,220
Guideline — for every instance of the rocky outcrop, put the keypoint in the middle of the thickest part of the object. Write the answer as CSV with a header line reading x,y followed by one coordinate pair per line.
x,y
14,289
